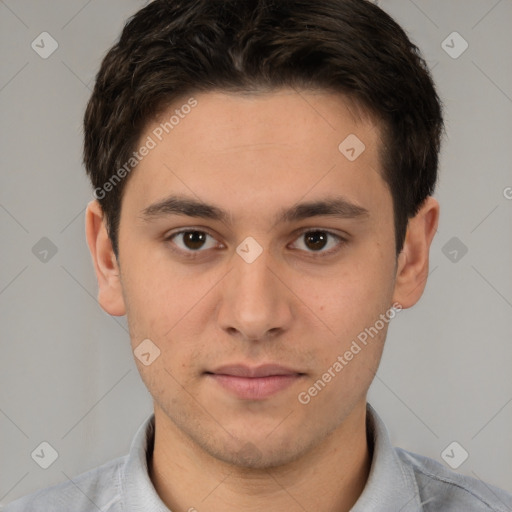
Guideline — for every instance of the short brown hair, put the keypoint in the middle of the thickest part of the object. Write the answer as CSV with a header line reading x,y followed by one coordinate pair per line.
x,y
172,48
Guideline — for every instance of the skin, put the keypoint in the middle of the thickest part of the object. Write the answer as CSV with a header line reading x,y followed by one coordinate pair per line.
x,y
254,155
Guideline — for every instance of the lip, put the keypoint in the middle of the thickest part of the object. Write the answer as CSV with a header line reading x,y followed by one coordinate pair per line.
x,y
254,383
264,370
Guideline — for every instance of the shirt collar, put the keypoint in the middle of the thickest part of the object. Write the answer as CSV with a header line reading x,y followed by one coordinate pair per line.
x,y
391,485
139,494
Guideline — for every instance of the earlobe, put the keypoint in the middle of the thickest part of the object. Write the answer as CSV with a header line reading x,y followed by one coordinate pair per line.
x,y
110,294
413,261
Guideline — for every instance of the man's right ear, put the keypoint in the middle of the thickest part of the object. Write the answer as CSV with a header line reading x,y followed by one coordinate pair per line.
x,y
110,294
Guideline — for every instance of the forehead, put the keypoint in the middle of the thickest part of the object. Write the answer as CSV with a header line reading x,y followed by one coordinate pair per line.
x,y
302,119
267,148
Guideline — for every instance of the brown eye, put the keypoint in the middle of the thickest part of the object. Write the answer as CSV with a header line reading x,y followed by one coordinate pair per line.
x,y
192,241
314,241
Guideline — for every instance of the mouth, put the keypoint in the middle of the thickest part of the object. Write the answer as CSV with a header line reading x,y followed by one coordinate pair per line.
x,y
254,383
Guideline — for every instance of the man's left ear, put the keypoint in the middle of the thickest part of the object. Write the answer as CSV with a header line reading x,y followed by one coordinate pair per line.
x,y
413,261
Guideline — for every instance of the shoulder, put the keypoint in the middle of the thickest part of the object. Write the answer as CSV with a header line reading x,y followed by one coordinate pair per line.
x,y
96,489
444,490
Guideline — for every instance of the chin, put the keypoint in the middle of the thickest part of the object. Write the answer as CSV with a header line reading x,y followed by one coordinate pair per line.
x,y
254,455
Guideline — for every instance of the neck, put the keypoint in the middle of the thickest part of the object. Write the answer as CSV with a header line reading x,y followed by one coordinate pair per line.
x,y
329,478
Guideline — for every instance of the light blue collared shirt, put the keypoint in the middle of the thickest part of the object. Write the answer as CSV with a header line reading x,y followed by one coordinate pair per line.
x,y
399,481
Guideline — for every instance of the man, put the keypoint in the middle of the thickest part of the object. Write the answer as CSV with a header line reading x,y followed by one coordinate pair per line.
x,y
263,174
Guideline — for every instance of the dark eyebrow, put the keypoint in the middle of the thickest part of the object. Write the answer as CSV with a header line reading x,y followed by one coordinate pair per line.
x,y
178,205
331,207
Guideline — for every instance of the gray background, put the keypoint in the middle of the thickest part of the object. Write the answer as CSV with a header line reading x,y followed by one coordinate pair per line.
x,y
67,372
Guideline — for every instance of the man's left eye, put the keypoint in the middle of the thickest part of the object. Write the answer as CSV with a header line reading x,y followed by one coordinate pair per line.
x,y
317,240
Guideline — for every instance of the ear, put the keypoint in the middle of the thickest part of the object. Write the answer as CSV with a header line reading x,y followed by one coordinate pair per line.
x,y
413,261
110,294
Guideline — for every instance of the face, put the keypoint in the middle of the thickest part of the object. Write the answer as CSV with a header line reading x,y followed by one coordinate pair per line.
x,y
253,252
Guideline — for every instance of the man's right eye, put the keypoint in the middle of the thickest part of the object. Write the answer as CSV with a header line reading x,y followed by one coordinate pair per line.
x,y
191,241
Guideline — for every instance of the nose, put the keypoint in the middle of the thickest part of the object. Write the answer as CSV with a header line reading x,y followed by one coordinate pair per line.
x,y
255,303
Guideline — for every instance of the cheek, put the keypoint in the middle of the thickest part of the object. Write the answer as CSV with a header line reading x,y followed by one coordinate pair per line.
x,y
350,305
161,307
349,300
159,296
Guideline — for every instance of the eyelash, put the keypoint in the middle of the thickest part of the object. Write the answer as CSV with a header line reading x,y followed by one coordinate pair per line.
x,y
314,254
